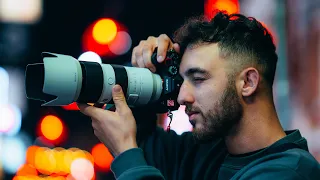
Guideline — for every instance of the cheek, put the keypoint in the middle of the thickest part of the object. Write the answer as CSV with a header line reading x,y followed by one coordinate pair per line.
x,y
207,95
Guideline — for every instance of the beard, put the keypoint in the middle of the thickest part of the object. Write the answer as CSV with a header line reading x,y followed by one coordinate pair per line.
x,y
222,120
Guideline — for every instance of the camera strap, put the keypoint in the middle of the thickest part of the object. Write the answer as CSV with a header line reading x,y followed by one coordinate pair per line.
x,y
170,115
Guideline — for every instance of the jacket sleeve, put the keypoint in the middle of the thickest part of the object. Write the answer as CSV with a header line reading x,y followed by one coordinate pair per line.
x,y
158,156
131,165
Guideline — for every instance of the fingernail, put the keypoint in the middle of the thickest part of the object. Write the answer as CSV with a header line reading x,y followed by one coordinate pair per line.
x,y
159,58
116,88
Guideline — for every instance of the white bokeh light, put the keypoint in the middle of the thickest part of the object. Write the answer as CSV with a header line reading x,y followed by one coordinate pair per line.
x,y
13,154
180,121
17,90
121,43
90,56
82,169
4,86
10,119
25,11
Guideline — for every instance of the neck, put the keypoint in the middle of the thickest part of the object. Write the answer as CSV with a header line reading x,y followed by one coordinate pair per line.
x,y
259,128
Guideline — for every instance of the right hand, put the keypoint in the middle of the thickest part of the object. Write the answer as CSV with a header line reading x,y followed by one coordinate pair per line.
x,y
141,54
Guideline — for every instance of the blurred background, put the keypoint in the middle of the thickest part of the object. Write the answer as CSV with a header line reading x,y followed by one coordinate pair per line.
x,y
36,142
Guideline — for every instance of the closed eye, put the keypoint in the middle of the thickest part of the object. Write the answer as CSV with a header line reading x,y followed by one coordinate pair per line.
x,y
198,80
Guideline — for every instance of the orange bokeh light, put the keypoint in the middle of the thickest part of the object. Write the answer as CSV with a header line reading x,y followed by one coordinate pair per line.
x,y
104,31
230,6
89,38
45,161
27,170
51,127
102,157
55,163
30,155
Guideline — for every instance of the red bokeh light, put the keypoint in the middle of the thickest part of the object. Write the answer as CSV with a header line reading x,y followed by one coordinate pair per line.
x,y
230,6
102,157
90,44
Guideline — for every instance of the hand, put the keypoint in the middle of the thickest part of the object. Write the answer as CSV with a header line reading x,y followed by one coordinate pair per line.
x,y
141,54
116,130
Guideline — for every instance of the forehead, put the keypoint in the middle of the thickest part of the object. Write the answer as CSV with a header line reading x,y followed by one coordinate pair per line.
x,y
205,57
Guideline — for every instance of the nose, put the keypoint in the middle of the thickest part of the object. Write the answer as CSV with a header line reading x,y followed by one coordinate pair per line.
x,y
185,94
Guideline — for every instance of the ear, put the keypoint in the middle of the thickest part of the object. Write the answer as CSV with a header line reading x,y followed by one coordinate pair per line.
x,y
249,81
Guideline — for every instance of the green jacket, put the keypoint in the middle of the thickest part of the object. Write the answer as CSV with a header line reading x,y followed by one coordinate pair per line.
x,y
163,155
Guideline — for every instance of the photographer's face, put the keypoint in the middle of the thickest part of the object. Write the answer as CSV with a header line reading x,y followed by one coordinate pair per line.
x,y
209,94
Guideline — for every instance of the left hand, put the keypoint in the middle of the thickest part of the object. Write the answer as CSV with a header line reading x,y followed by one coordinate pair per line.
x,y
116,130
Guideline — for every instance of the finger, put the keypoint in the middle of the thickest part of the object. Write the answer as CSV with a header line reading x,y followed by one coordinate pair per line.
x,y
91,111
133,57
98,105
147,53
119,98
138,54
164,44
140,61
85,109
176,47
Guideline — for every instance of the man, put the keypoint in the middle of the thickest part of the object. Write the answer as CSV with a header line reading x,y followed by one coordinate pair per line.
x,y
228,66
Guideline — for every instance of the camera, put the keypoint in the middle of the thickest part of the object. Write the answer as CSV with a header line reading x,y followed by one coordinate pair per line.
x,y
61,80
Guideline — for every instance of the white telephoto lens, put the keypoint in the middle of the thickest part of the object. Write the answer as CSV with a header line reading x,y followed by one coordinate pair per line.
x,y
140,85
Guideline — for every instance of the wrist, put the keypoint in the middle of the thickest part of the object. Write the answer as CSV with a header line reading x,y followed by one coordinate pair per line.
x,y
125,147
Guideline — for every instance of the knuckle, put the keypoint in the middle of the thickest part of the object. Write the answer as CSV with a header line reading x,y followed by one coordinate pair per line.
x,y
134,50
164,37
151,38
142,42
119,98
137,52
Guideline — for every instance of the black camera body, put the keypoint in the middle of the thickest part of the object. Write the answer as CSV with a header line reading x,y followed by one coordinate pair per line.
x,y
172,81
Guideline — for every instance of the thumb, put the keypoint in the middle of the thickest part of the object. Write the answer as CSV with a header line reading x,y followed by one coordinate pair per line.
x,y
119,98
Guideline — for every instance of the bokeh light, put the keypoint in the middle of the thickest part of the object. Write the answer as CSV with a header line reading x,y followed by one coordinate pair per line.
x,y
82,169
10,117
45,161
180,121
4,86
13,154
104,31
230,6
30,155
21,11
27,170
71,107
90,56
60,161
121,44
102,156
89,39
51,127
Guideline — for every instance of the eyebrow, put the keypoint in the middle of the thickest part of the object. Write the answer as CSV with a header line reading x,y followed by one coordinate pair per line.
x,y
193,71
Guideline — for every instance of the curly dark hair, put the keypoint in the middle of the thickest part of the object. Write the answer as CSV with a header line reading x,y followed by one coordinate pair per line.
x,y
244,40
